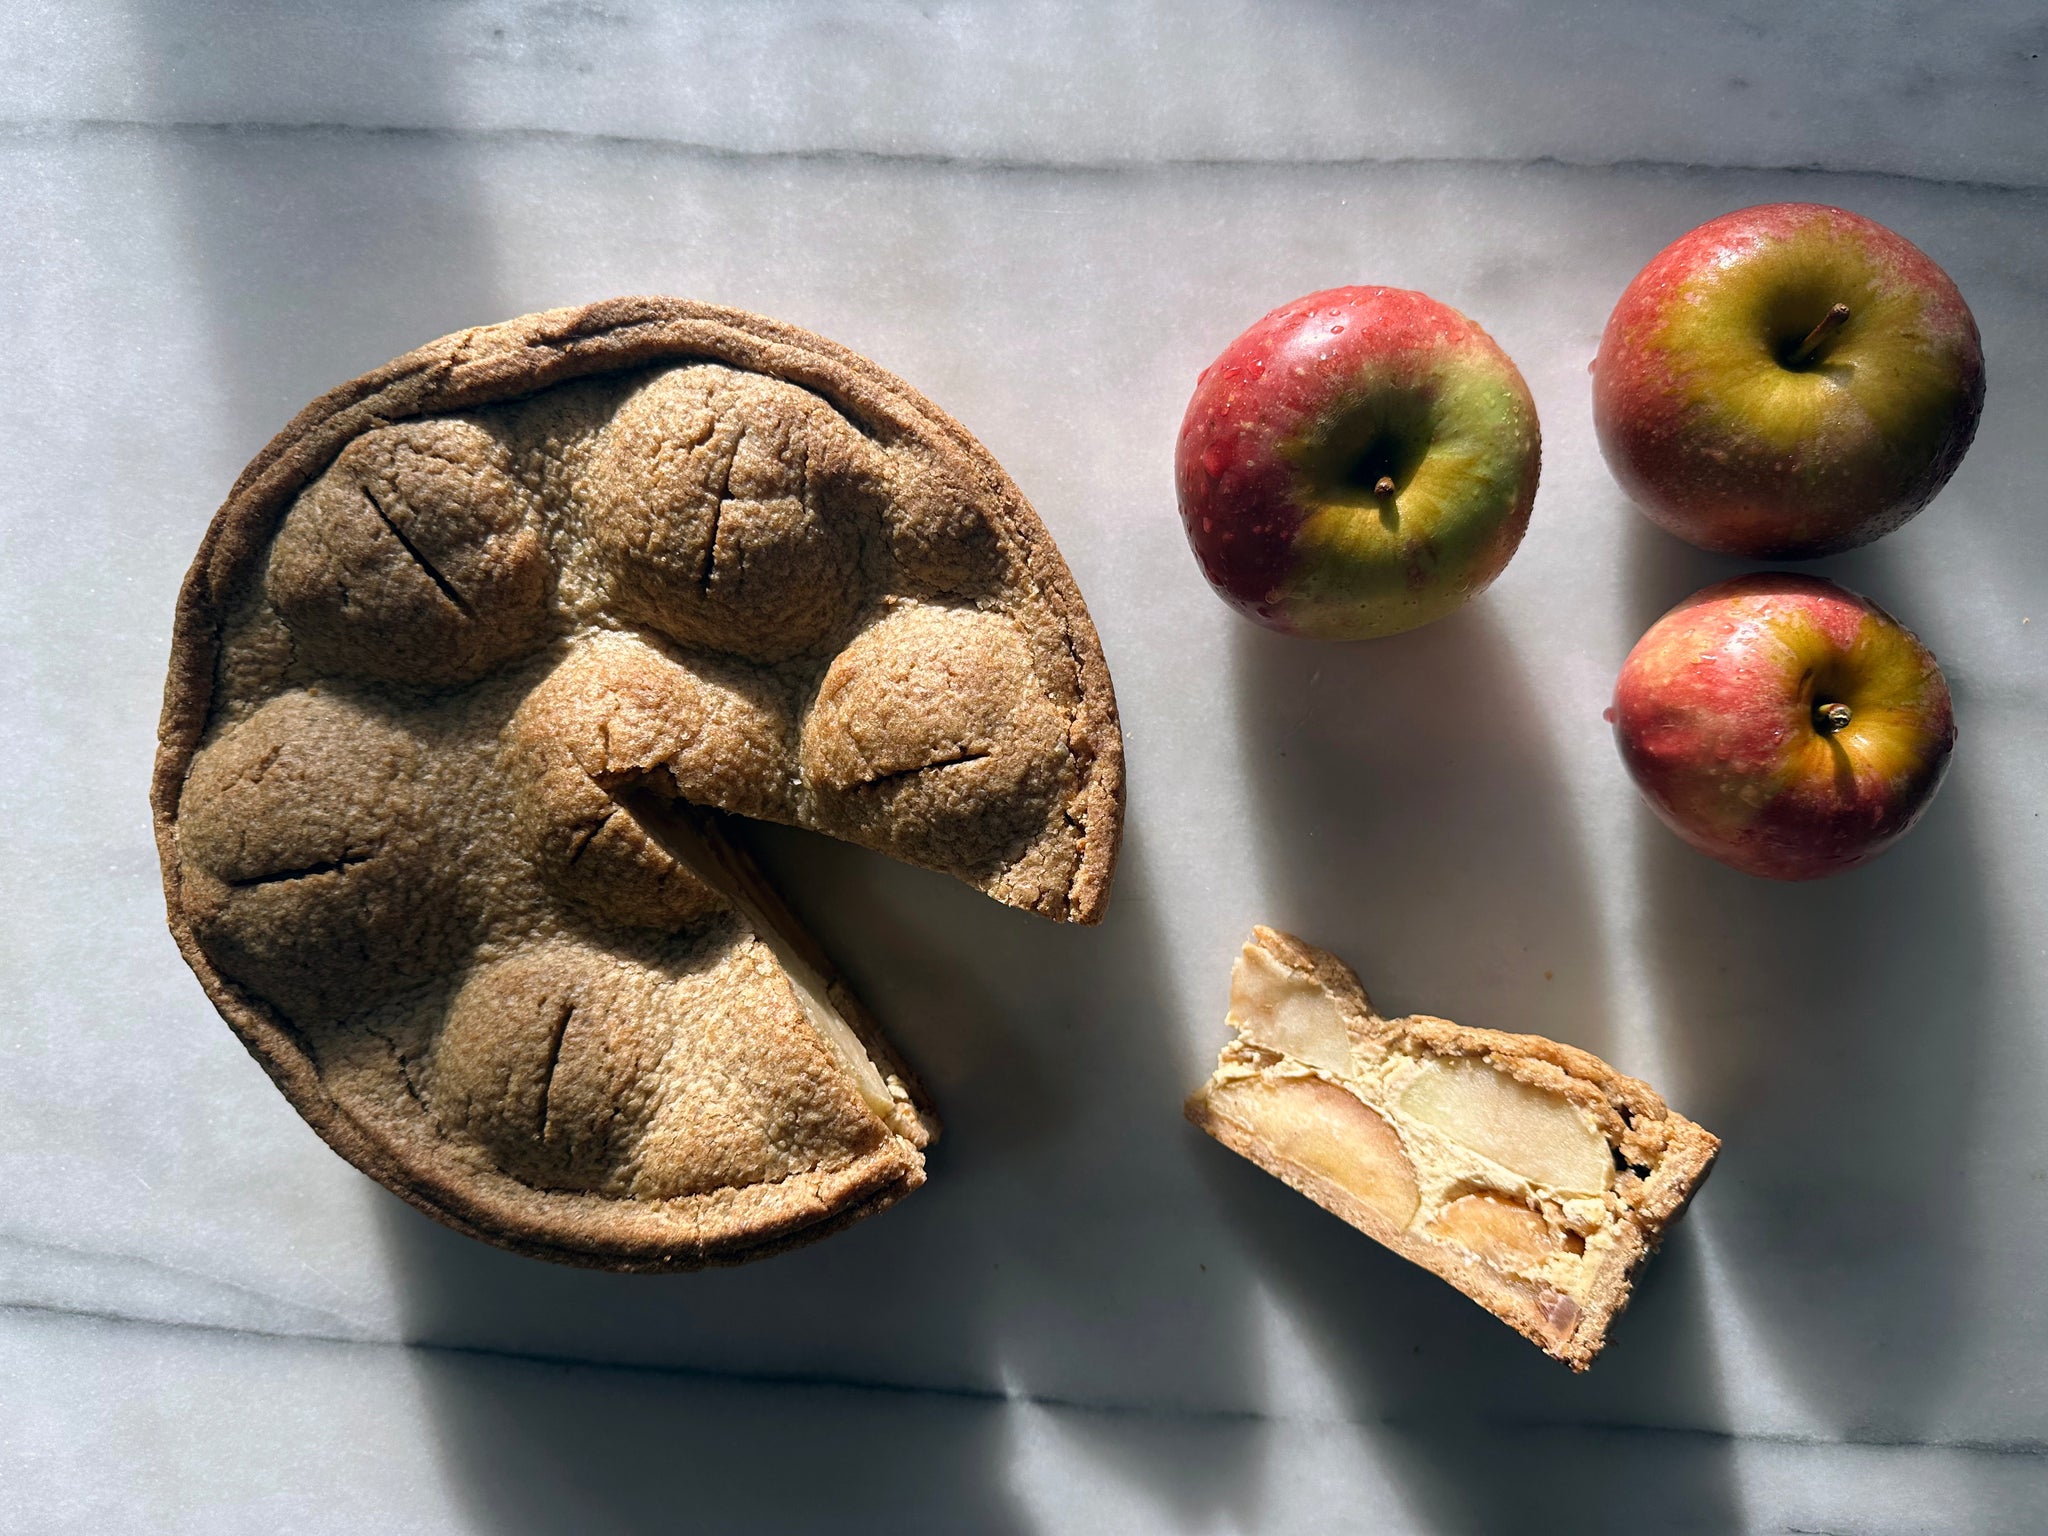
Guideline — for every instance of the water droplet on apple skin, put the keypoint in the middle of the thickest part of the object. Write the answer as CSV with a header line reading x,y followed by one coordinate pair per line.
x,y
1607,714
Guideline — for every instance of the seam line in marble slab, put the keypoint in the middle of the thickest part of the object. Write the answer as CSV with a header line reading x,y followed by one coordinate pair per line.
x,y
231,1288
932,159
1051,1402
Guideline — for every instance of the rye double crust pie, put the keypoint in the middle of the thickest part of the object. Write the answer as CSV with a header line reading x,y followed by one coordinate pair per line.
x,y
469,667
1531,1175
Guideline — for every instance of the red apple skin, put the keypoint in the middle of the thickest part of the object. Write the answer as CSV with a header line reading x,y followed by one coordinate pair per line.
x,y
1720,443
1716,715
1259,466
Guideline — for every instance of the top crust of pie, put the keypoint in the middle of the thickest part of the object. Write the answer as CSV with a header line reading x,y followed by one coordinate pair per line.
x,y
468,648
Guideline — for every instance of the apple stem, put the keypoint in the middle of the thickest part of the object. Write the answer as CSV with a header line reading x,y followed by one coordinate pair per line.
x,y
1832,717
1384,486
1830,323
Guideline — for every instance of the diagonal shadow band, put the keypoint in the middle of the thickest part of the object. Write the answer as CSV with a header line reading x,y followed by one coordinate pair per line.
x,y
1416,823
1019,1269
1834,1030
306,248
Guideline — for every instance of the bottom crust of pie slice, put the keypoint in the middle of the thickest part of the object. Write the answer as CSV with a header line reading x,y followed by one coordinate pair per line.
x,y
1528,1174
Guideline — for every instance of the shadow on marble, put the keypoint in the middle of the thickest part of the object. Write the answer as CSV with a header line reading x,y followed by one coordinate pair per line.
x,y
303,250
1414,821
1833,1033
1015,1271
1416,817
577,1448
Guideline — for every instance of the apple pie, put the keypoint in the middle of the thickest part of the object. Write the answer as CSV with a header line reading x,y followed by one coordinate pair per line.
x,y
1530,1175
471,668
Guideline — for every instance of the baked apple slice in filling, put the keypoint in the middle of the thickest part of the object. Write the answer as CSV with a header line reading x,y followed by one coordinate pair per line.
x,y
1531,1175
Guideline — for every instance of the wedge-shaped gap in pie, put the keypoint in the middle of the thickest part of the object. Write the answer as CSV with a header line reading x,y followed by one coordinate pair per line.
x,y
1530,1175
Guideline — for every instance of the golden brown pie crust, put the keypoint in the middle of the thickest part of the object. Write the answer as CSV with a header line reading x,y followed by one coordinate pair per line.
x,y
468,666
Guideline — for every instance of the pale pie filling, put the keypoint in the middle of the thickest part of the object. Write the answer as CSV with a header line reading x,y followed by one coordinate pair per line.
x,y
884,1093
1449,1149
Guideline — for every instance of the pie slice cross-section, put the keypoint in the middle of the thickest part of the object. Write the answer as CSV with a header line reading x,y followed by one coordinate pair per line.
x,y
1530,1175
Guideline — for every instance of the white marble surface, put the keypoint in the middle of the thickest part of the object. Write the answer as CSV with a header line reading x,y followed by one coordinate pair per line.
x,y
1049,219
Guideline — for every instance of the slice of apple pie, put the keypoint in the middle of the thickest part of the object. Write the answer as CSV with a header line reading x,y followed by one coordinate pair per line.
x,y
1530,1175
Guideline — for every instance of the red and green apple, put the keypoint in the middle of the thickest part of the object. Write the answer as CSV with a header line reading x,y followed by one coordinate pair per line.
x,y
1783,725
1787,381
1357,463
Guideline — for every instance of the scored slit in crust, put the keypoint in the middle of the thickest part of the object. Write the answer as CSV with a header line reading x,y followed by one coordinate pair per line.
x,y
470,667
1530,1175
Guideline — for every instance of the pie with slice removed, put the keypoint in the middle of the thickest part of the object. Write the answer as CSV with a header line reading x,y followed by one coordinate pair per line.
x,y
472,668
1530,1175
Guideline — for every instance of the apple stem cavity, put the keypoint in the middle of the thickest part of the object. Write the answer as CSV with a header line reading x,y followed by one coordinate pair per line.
x,y
1831,718
1816,338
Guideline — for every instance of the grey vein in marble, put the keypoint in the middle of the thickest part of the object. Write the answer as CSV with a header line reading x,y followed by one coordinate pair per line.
x,y
1845,86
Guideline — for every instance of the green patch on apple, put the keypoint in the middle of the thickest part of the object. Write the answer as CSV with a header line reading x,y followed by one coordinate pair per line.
x,y
1787,381
1358,463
